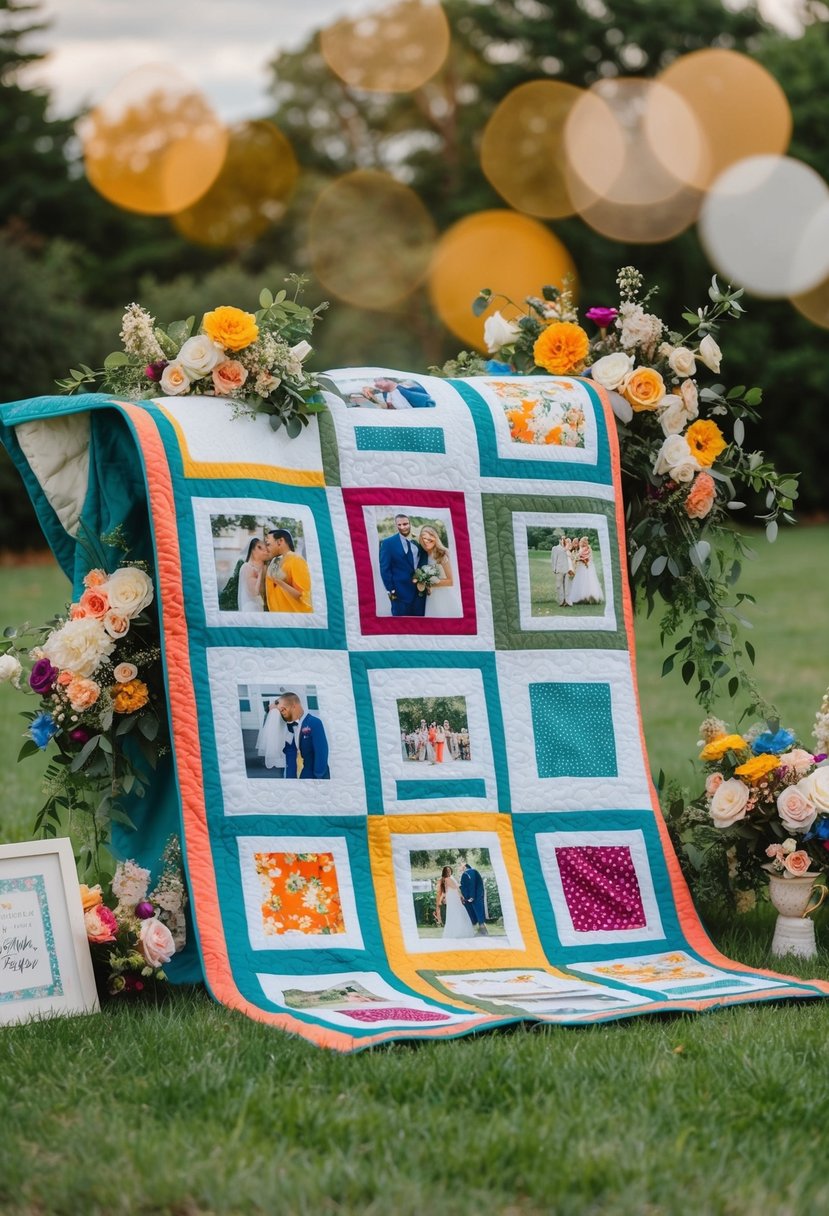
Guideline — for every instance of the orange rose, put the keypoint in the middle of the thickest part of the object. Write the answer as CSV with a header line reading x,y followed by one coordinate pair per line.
x,y
95,578
229,377
705,439
91,896
65,677
82,693
94,602
127,698
701,496
230,328
561,348
644,388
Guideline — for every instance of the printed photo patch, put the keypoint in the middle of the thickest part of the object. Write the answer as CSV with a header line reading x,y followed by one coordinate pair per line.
x,y
354,1000
674,975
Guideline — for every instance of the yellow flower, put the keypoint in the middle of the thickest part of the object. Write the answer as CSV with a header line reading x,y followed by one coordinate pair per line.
x,y
644,388
230,328
705,439
91,896
127,698
561,348
758,767
716,749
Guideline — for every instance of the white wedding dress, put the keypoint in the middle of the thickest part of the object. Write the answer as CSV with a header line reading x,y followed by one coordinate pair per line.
x,y
585,587
457,922
444,601
249,596
271,740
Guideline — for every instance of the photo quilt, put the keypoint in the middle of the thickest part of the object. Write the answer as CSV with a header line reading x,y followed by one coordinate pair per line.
x,y
408,765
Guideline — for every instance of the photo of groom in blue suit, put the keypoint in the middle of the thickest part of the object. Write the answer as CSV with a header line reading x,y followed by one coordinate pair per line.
x,y
474,900
306,751
400,556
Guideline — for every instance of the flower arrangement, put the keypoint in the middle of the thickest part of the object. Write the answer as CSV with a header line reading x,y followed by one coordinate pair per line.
x,y
96,675
426,576
256,360
684,466
133,933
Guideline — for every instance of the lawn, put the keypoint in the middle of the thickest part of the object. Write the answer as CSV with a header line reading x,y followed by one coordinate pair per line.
x,y
188,1108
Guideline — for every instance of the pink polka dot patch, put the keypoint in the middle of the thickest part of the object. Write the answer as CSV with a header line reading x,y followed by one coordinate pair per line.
x,y
601,888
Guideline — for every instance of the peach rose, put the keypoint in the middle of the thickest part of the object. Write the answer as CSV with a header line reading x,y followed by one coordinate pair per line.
x,y
797,863
701,496
712,783
91,896
174,380
65,677
228,377
100,923
729,803
644,388
94,602
796,811
95,578
116,624
82,693
77,612
156,942
125,672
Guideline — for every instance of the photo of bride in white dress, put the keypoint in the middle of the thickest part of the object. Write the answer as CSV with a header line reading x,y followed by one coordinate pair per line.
x,y
449,907
443,595
585,587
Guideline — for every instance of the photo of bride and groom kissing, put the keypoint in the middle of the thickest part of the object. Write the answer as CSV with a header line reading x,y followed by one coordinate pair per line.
x,y
417,569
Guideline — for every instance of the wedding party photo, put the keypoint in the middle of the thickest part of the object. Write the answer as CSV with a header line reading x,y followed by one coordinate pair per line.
x,y
261,564
455,895
566,572
379,392
283,733
434,731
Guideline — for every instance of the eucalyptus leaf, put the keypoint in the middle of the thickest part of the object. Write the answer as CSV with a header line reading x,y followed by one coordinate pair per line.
x,y
739,432
658,564
771,531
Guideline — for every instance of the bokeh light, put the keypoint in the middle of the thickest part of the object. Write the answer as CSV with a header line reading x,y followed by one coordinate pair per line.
x,y
765,226
394,50
814,304
616,180
522,149
511,253
740,107
153,145
250,193
371,239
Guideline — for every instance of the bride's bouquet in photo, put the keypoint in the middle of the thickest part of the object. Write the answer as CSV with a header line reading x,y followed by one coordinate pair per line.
x,y
426,576
256,360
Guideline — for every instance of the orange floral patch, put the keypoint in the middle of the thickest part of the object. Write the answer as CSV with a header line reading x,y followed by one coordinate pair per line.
x,y
300,893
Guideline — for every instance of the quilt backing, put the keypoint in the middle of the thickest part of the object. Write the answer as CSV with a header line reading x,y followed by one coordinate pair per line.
x,y
413,787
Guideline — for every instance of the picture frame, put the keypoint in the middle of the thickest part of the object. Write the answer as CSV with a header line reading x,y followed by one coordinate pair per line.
x,y
45,963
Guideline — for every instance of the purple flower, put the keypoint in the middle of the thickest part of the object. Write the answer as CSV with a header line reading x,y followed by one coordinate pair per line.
x,y
80,735
154,370
42,729
144,910
43,676
602,316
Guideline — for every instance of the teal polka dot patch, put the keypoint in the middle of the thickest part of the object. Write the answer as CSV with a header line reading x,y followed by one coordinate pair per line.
x,y
573,730
400,439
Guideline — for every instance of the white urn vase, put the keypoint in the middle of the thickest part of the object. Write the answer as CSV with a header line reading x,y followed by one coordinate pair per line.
x,y
795,897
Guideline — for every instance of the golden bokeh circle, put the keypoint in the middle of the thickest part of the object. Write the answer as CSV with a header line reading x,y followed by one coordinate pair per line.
x,y
504,250
814,304
394,50
153,145
740,106
522,148
370,239
251,192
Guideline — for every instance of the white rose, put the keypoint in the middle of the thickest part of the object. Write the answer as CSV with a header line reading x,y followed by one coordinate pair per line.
x,y
302,350
130,591
682,362
710,353
674,451
79,646
729,803
199,355
498,332
610,370
816,789
690,398
174,380
685,471
796,811
10,669
672,414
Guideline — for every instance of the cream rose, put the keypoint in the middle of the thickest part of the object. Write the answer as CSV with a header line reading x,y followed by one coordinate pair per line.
x,y
130,591
174,380
796,811
673,451
498,332
685,471
79,646
117,625
729,803
155,942
301,350
611,370
690,397
672,414
198,356
710,353
797,863
798,760
10,670
816,789
682,362
125,672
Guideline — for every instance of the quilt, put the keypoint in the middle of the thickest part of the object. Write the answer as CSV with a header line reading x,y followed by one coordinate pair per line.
x,y
408,764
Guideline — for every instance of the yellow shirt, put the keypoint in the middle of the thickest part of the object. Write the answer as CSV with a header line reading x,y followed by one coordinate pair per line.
x,y
294,569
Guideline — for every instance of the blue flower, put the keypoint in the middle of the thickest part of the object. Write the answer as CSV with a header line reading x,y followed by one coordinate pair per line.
x,y
43,728
499,369
820,830
775,744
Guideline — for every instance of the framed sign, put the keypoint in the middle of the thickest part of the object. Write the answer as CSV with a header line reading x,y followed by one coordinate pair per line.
x,y
45,964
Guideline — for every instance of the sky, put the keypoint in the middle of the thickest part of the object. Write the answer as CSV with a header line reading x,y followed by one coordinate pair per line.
x,y
223,46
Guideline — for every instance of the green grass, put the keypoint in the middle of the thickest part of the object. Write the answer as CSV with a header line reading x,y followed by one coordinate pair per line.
x,y
188,1108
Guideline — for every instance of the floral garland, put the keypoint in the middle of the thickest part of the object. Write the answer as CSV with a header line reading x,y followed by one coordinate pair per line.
x,y
683,474
256,360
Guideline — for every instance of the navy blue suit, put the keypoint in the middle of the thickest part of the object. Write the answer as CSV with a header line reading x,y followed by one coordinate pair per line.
x,y
472,891
312,747
416,396
396,569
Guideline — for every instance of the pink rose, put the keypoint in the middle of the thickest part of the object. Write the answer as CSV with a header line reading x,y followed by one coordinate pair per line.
x,y
798,760
229,377
116,624
94,602
775,851
712,783
100,923
796,811
797,863
156,942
